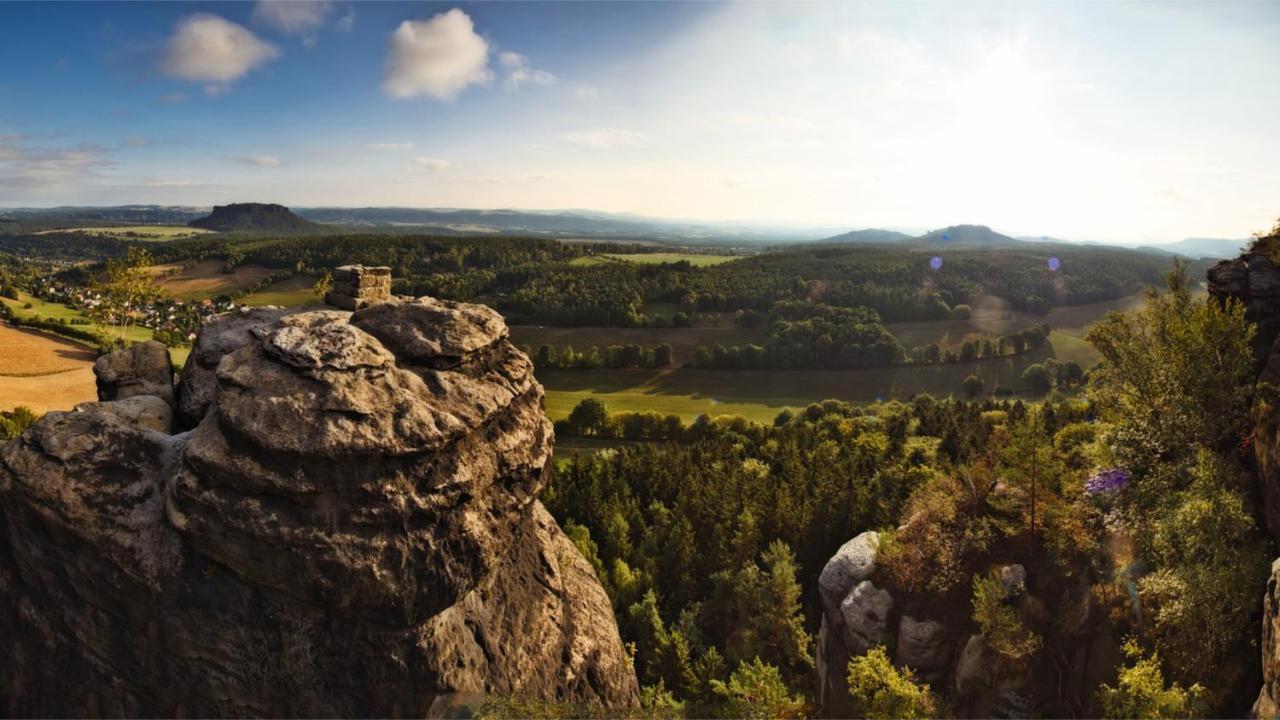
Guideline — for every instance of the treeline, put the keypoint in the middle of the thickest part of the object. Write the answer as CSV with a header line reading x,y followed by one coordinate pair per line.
x,y
548,356
75,329
533,280
810,336
1016,343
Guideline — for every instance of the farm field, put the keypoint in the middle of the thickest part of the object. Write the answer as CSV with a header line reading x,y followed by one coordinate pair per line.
x,y
43,372
205,279
286,293
993,317
761,394
58,311
137,232
695,259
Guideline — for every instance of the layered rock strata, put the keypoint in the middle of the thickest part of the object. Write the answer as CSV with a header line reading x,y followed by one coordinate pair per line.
x,y
348,528
356,287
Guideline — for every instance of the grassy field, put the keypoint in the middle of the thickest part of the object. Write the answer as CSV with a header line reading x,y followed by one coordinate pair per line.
x,y
205,279
993,317
695,259
143,232
287,293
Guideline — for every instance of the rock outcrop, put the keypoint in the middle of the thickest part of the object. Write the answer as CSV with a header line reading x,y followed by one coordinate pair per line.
x,y
936,638
142,369
1268,703
1254,280
845,572
348,527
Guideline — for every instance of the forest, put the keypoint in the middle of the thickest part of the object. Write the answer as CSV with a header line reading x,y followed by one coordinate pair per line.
x,y
710,540
535,281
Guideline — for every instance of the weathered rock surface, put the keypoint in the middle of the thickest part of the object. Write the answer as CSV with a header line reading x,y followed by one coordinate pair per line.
x,y
847,570
1268,703
350,529
866,617
142,369
923,646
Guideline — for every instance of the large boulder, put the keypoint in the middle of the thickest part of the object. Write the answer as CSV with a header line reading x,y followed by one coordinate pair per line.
x,y
141,369
198,387
852,563
350,529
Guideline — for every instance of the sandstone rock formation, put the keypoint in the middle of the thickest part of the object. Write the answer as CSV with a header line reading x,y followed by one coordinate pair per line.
x,y
1268,703
142,369
348,528
852,564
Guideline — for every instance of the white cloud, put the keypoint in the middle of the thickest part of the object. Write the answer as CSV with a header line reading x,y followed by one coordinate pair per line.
x,y
520,72
587,92
432,164
436,58
257,160
207,48
167,183
605,138
390,146
292,17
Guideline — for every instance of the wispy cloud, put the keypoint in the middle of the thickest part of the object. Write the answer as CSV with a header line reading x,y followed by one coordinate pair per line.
x,y
136,141
605,138
36,167
520,72
292,17
390,146
257,160
431,164
167,183
436,58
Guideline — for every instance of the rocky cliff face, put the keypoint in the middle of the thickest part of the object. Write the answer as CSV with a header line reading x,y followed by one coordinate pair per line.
x,y
946,651
347,524
1253,280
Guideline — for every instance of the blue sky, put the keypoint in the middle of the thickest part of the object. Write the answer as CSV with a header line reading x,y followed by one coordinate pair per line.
x,y
1093,121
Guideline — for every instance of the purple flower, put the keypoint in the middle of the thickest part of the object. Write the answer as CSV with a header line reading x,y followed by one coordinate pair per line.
x,y
1107,481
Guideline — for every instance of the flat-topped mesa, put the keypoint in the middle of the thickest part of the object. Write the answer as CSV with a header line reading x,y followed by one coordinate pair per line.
x,y
349,527
357,286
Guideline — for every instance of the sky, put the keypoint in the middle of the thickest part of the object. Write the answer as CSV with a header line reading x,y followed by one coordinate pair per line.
x,y
1132,122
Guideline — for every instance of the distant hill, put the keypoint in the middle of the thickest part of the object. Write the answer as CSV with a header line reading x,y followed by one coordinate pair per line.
x,y
255,218
968,235
869,236
1200,247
